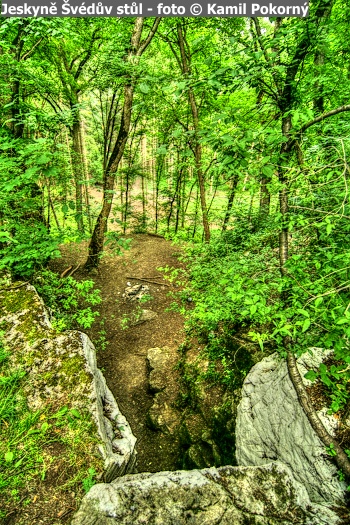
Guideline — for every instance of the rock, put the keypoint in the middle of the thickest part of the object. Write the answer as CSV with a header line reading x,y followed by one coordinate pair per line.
x,y
271,425
158,360
143,316
162,415
135,293
264,495
62,368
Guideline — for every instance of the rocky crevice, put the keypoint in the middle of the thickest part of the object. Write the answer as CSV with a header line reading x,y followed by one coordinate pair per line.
x,y
300,486
62,369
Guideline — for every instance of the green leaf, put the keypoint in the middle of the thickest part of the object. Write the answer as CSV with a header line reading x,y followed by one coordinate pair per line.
x,y
306,324
318,301
343,320
253,309
311,375
161,150
267,171
303,312
75,413
18,463
144,88
9,457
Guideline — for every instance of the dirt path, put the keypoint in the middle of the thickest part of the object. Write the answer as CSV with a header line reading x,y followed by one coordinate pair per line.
x,y
124,359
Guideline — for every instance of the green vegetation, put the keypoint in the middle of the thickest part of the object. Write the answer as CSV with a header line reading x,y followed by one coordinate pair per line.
x,y
69,300
31,440
228,135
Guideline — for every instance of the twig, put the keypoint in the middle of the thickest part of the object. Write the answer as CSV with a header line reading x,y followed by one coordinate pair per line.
x,y
335,290
13,287
68,272
64,273
324,212
66,512
73,271
148,281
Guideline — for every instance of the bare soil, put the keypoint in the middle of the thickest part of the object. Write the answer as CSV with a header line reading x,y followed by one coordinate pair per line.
x,y
124,360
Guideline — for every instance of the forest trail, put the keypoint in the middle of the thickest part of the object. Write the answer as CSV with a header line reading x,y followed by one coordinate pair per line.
x,y
123,361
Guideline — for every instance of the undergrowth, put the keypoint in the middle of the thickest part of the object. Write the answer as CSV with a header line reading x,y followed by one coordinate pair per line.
x,y
231,295
70,301
29,439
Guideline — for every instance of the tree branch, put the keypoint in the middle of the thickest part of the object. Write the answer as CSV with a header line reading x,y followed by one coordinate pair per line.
x,y
147,41
328,114
340,458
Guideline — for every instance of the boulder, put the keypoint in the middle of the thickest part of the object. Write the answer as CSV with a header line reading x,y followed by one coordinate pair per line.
x,y
162,415
142,316
159,360
271,425
264,495
62,369
135,293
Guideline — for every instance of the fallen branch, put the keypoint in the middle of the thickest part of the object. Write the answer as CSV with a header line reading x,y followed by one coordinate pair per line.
x,y
73,271
148,281
69,271
340,458
64,273
13,287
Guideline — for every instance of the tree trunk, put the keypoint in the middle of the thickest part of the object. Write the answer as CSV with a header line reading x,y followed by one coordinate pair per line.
x,y
136,50
265,198
97,239
186,69
78,171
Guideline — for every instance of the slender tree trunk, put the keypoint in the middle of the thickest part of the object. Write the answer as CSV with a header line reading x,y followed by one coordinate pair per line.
x,y
86,174
283,195
97,239
78,172
136,50
265,197
195,215
197,145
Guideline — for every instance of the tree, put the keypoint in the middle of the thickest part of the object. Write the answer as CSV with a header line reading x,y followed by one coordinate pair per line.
x,y
136,50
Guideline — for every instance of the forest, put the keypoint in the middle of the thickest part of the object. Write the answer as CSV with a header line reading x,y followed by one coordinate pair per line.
x,y
229,137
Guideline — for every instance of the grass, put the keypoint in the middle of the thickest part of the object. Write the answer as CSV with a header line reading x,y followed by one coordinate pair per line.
x,y
44,450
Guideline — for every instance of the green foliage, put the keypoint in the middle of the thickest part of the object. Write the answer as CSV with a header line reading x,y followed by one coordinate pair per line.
x,y
331,451
71,301
89,481
26,242
27,435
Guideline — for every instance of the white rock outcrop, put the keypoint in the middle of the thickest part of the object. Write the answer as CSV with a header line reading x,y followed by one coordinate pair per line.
x,y
264,495
62,369
271,425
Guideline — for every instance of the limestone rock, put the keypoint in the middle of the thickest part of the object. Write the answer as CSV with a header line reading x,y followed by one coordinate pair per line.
x,y
135,293
264,495
143,316
158,359
271,425
62,368
162,415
